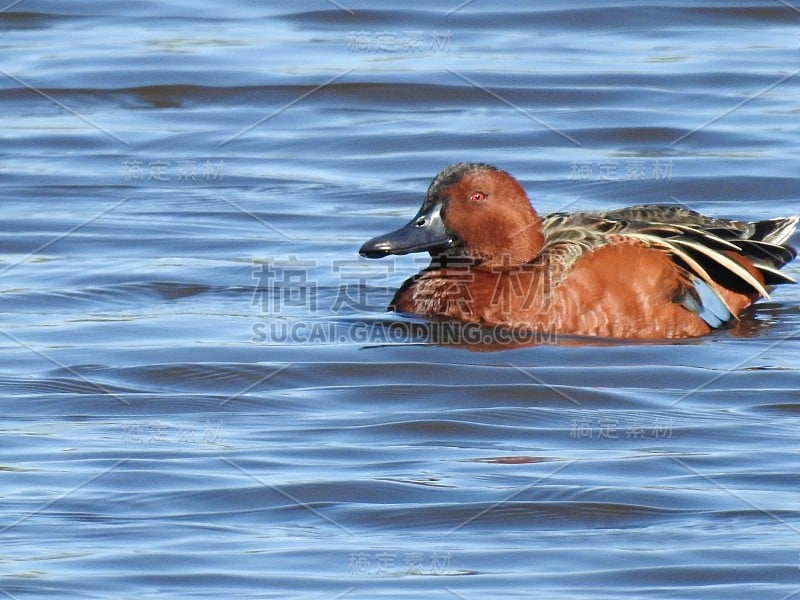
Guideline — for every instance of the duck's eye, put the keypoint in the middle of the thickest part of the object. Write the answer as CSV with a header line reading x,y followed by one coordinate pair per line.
x,y
477,197
420,222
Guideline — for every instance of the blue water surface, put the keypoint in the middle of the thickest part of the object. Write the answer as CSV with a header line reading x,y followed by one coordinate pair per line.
x,y
202,393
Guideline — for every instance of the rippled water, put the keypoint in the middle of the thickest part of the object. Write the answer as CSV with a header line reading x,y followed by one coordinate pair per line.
x,y
202,393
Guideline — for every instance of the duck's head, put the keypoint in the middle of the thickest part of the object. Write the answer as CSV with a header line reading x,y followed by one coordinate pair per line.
x,y
473,211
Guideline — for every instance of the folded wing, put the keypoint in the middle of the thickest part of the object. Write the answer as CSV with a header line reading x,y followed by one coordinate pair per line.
x,y
714,254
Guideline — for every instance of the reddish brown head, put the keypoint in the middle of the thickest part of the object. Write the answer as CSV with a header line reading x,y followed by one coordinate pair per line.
x,y
471,210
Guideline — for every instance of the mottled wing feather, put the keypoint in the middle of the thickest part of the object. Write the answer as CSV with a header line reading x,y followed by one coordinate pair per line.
x,y
699,244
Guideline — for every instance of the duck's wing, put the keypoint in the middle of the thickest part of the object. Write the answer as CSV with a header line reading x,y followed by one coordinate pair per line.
x,y
770,231
710,250
763,243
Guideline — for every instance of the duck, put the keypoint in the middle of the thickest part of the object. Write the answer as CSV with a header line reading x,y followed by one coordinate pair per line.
x,y
640,272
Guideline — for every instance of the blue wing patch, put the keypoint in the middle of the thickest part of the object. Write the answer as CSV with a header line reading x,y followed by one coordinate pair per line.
x,y
703,300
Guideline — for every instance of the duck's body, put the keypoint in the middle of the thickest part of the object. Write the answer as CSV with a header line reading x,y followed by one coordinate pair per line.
x,y
638,272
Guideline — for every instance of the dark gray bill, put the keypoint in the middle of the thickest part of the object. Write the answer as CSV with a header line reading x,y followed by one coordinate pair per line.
x,y
425,231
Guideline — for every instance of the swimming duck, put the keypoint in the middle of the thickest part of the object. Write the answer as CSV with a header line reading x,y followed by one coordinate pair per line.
x,y
649,271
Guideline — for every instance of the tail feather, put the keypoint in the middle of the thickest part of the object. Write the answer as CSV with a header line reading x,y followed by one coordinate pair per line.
x,y
773,254
775,231
764,244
